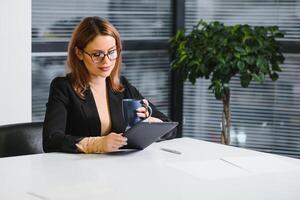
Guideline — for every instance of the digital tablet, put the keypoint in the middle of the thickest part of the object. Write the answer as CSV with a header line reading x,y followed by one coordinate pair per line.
x,y
143,134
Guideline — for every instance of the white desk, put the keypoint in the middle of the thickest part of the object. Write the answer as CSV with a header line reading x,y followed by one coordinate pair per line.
x,y
153,174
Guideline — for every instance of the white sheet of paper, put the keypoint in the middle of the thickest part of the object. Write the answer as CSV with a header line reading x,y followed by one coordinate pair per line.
x,y
232,167
81,190
209,169
263,164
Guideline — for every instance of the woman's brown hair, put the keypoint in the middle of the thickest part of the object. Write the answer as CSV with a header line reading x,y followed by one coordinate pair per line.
x,y
84,33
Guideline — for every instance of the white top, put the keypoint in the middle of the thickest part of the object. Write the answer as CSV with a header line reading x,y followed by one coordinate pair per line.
x,y
203,170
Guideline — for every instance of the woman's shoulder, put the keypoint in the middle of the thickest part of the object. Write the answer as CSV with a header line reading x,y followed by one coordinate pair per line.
x,y
130,90
124,81
60,79
60,82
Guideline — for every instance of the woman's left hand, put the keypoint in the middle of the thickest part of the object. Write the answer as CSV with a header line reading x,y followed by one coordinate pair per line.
x,y
143,112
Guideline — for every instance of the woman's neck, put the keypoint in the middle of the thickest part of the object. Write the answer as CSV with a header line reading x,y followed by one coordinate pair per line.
x,y
97,82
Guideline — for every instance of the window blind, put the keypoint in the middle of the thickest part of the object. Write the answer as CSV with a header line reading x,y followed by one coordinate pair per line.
x,y
265,117
136,20
283,13
149,72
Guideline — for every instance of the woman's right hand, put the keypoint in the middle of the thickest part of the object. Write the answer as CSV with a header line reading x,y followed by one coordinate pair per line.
x,y
113,141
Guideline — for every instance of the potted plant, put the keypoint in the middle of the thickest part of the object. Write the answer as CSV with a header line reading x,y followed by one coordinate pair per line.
x,y
219,52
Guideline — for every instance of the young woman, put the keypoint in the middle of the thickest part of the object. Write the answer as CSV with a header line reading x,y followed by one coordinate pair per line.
x,y
84,109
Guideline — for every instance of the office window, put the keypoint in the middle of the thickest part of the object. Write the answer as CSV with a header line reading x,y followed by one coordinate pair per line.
x,y
283,13
45,66
139,23
136,20
148,70
264,117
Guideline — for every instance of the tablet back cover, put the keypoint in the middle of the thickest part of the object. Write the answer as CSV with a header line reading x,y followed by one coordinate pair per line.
x,y
145,133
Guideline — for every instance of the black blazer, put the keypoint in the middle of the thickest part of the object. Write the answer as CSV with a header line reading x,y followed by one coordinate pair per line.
x,y
69,118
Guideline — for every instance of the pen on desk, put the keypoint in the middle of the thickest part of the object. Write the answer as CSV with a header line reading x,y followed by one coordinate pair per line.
x,y
233,164
170,150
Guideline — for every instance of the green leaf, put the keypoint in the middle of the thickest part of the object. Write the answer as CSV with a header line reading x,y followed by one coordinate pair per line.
x,y
245,79
256,77
274,76
259,62
259,77
250,60
182,46
241,65
279,35
200,70
248,49
218,94
262,77
280,58
237,55
276,67
260,41
182,58
221,59
245,38
239,49
217,89
262,64
179,35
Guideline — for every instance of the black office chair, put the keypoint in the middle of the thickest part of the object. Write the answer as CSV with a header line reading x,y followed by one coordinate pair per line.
x,y
21,139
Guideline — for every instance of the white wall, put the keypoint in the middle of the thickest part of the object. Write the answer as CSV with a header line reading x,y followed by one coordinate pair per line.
x,y
15,61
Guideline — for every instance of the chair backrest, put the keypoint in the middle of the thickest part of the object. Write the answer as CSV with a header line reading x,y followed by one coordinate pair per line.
x,y
21,139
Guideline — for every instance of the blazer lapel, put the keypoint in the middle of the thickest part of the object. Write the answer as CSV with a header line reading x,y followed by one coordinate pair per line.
x,y
91,114
115,105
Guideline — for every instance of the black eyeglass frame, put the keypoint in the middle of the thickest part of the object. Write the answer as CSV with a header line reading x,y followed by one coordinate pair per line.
x,y
105,55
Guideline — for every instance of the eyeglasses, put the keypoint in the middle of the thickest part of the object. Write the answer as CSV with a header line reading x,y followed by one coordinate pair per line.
x,y
99,56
